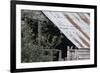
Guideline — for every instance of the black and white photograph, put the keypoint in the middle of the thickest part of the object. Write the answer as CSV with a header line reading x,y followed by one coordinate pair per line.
x,y
44,37
52,36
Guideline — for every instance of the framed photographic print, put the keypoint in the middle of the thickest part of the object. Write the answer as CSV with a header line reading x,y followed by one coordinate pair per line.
x,y
52,36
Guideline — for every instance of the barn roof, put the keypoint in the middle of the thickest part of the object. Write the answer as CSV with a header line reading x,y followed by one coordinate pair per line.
x,y
75,26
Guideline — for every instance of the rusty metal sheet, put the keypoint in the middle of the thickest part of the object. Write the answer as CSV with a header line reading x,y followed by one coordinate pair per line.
x,y
75,26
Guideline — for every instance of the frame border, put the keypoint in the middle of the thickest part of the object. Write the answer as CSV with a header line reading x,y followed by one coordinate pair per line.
x,y
13,35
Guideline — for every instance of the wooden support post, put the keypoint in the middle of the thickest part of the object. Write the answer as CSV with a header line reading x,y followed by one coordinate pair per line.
x,y
39,33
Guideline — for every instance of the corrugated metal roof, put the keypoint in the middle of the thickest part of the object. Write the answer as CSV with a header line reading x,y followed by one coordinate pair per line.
x,y
75,26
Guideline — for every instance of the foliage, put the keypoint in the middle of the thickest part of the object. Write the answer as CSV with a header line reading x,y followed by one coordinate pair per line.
x,y
50,36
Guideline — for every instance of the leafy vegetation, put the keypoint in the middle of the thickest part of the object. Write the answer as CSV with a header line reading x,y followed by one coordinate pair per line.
x,y
37,33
